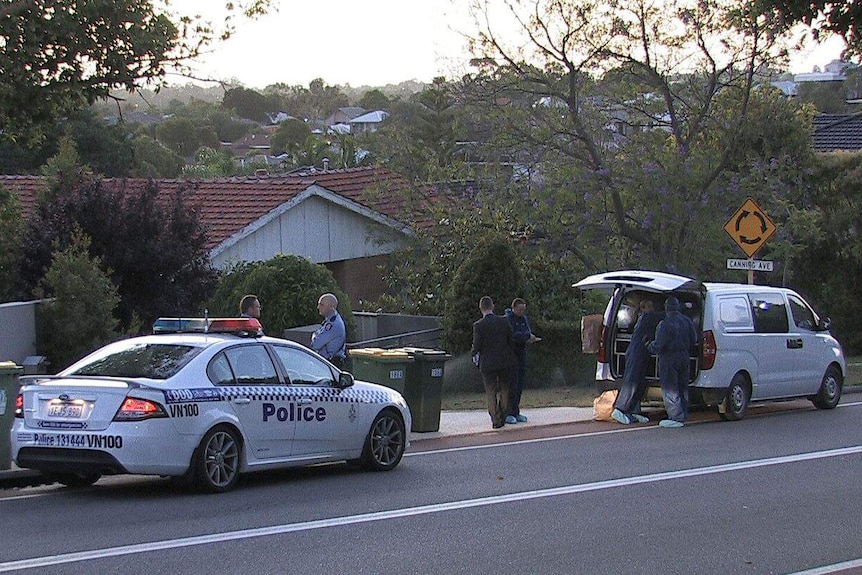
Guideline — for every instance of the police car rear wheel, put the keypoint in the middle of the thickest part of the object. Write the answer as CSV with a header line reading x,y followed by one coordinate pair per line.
x,y
385,443
217,460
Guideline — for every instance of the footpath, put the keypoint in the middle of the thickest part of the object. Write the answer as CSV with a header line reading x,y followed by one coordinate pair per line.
x,y
452,424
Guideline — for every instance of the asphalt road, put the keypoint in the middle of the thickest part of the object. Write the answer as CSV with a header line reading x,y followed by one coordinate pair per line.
x,y
774,493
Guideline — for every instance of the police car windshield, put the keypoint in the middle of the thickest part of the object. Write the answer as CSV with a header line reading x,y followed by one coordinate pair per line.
x,y
152,361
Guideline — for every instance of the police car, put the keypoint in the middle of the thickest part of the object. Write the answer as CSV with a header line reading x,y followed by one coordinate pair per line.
x,y
203,400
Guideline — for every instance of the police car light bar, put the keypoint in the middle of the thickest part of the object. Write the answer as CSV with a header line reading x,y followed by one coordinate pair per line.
x,y
248,325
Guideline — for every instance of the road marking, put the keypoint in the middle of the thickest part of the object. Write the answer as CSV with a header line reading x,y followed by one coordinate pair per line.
x,y
50,560
834,568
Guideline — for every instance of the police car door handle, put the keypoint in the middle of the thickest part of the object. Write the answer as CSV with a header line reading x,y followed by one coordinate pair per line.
x,y
241,400
304,401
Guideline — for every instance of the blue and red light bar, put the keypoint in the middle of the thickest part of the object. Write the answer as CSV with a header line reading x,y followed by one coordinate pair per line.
x,y
239,325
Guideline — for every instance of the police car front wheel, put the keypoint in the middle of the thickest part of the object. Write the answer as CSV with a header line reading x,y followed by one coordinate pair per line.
x,y
385,443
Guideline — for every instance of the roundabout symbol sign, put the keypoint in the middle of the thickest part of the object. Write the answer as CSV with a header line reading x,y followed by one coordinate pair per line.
x,y
750,227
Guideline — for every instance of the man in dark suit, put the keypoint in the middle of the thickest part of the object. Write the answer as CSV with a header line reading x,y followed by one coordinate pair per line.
x,y
494,344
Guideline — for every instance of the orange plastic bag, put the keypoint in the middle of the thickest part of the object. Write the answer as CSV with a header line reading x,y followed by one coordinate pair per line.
x,y
603,405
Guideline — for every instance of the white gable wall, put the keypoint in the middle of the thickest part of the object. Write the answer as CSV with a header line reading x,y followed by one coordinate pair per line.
x,y
315,228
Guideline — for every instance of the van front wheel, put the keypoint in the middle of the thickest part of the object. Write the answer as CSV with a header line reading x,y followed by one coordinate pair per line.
x,y
735,402
830,389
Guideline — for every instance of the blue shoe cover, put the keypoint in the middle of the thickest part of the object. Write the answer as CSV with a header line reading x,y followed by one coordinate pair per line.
x,y
620,417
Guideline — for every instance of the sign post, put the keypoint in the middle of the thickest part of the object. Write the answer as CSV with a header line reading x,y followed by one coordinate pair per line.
x,y
750,228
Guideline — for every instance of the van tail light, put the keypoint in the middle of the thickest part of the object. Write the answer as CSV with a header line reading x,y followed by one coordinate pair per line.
x,y
19,405
134,409
708,351
602,357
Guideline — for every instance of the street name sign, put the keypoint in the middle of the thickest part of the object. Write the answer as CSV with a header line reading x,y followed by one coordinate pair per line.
x,y
753,265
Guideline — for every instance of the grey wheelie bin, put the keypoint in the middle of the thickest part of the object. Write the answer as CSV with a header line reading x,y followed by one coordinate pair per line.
x,y
9,372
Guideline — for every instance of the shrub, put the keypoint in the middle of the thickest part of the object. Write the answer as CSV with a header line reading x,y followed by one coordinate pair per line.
x,y
491,269
79,318
288,288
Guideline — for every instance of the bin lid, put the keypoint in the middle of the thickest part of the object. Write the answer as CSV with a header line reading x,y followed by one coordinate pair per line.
x,y
414,351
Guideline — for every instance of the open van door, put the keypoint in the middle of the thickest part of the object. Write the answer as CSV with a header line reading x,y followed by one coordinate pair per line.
x,y
637,279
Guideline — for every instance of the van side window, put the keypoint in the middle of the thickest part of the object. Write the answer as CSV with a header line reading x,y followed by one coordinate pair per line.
x,y
735,313
803,317
770,313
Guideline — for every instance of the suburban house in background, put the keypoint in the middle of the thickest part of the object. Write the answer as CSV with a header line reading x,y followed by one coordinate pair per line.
x,y
369,122
348,220
837,132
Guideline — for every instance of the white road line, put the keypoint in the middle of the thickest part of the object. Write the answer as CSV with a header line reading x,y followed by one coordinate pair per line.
x,y
38,562
834,568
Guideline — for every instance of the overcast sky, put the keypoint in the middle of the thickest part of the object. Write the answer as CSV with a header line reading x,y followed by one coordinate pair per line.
x,y
363,43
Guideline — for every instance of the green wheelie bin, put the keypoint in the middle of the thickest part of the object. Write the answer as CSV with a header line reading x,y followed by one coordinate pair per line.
x,y
423,388
382,366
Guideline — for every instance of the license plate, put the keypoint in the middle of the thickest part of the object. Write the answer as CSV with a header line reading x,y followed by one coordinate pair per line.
x,y
65,410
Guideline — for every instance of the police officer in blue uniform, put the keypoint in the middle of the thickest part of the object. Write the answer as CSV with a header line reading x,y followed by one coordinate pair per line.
x,y
330,339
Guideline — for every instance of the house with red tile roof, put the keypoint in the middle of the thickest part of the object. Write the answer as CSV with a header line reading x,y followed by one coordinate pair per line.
x,y
349,220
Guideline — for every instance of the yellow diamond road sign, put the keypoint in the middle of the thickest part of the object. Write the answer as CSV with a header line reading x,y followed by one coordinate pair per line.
x,y
750,227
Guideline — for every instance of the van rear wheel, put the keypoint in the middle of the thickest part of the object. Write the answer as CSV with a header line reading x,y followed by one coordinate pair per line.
x,y
735,402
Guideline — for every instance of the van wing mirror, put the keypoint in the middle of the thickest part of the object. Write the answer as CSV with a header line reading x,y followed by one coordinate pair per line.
x,y
825,324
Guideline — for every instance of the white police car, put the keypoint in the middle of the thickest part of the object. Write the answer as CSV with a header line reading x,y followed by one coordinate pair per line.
x,y
203,401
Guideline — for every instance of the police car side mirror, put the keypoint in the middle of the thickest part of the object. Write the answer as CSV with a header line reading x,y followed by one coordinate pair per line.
x,y
345,380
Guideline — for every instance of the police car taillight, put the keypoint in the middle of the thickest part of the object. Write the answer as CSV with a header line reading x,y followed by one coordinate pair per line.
x,y
19,405
134,409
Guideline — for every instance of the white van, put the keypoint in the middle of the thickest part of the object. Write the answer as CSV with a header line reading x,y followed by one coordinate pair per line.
x,y
756,342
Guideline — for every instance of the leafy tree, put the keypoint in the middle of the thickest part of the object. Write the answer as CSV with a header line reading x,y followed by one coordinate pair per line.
x,y
249,104
58,56
823,17
156,248
828,266
827,97
313,103
374,100
153,160
491,268
79,318
107,149
632,170
10,242
288,288
210,163
290,136
179,135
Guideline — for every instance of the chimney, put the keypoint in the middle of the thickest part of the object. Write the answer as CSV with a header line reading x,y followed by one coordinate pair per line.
x,y
325,164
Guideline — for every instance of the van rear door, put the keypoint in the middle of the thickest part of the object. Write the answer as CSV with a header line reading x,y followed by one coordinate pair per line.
x,y
658,282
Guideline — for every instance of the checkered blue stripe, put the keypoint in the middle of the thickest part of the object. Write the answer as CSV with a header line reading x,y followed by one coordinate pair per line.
x,y
280,393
